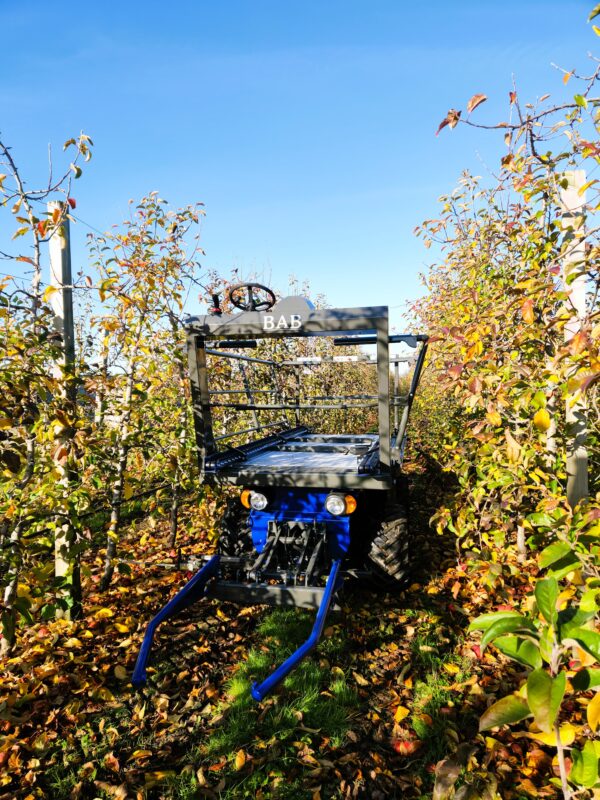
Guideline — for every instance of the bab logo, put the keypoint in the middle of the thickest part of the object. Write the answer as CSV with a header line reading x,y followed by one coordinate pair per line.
x,y
293,324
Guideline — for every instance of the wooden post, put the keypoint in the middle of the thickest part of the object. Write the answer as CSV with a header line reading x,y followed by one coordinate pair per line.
x,y
61,301
573,202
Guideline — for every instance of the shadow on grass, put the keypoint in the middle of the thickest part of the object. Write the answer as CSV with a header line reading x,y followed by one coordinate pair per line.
x,y
278,735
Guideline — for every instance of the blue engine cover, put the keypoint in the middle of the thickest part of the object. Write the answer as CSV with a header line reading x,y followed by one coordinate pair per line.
x,y
300,505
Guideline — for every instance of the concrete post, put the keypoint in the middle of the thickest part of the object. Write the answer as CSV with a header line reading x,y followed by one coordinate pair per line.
x,y
573,202
61,301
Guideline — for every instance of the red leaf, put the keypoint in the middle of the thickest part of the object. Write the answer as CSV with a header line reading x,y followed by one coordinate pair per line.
x,y
456,370
475,101
590,381
72,202
407,748
451,119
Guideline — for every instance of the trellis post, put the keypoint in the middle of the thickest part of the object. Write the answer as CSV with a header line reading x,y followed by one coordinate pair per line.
x,y
573,215
66,564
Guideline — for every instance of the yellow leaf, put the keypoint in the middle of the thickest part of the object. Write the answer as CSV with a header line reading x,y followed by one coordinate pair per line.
x,y
593,712
401,713
48,292
102,693
494,418
5,422
72,643
513,448
139,754
541,419
567,735
527,311
240,759
127,490
120,672
104,613
452,669
359,679
121,628
159,775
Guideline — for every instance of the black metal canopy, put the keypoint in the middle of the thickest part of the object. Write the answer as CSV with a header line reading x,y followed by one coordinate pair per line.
x,y
291,317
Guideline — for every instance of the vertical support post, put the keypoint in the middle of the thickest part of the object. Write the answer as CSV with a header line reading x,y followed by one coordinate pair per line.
x,y
249,393
573,203
396,393
205,442
61,301
298,378
383,380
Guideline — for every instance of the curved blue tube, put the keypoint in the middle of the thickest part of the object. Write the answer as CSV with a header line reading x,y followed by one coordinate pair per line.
x,y
260,690
192,591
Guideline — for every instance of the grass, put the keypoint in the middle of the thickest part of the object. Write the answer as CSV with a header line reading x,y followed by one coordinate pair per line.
x,y
314,703
434,714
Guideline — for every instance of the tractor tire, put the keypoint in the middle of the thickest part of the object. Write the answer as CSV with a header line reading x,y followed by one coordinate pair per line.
x,y
390,555
235,538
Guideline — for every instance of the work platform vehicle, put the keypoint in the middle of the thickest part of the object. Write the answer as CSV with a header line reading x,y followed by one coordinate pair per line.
x,y
315,503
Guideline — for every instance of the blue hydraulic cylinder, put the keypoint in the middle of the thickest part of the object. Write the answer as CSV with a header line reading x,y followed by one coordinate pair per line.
x,y
192,591
260,690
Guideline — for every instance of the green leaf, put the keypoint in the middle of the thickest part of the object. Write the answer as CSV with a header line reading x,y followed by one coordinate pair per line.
x,y
589,640
540,519
519,649
584,771
544,696
48,611
580,100
554,552
586,679
504,712
546,595
589,601
565,565
571,618
483,622
546,643
506,625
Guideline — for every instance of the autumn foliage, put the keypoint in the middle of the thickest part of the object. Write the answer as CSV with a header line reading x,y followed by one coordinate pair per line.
x,y
482,680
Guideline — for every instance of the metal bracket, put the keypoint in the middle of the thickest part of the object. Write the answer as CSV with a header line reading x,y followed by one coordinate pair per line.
x,y
193,590
334,582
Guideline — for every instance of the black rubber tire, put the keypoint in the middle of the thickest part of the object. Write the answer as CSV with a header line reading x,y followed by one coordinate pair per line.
x,y
390,554
235,538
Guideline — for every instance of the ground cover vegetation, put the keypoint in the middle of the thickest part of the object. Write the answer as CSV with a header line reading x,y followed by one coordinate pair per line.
x,y
480,680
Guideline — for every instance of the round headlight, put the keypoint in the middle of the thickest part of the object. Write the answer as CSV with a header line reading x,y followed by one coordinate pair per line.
x,y
335,504
258,501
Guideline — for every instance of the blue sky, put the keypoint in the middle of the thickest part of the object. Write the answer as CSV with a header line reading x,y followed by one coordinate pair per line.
x,y
306,128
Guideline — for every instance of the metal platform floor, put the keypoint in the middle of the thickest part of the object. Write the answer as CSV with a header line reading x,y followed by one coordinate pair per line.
x,y
315,452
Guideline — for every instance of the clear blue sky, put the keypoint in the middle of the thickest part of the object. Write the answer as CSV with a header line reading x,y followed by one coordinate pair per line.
x,y
307,128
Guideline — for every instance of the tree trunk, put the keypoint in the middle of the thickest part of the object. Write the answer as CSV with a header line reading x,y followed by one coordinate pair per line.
x,y
117,490
10,591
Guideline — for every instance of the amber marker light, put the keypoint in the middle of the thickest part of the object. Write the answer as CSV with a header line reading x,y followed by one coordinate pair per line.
x,y
350,504
245,498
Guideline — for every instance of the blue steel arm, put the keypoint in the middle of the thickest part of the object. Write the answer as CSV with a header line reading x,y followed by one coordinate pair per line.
x,y
260,690
192,591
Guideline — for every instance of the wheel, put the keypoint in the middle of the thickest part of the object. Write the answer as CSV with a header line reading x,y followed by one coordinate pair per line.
x,y
235,538
258,297
389,556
